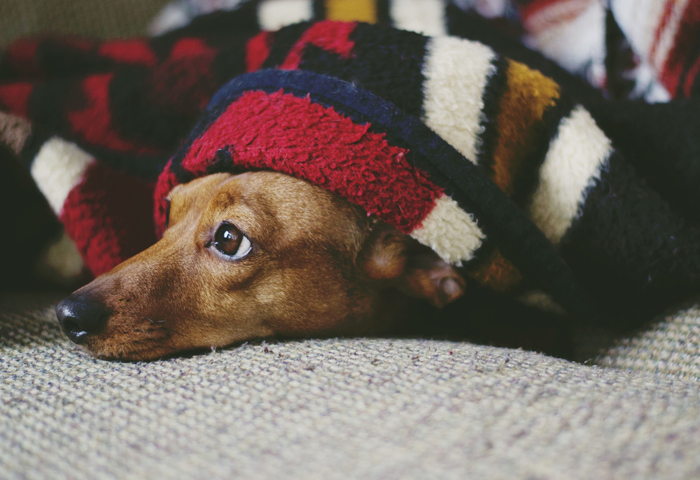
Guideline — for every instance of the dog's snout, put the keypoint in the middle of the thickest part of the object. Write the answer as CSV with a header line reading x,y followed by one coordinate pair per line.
x,y
81,316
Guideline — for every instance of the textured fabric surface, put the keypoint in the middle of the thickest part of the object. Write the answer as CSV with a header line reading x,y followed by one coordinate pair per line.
x,y
670,346
590,38
340,408
115,18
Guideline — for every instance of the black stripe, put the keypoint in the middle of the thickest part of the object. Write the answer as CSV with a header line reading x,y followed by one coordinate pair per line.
x,y
491,97
30,150
229,62
378,50
144,166
50,101
618,58
319,9
695,89
282,41
140,119
59,59
383,13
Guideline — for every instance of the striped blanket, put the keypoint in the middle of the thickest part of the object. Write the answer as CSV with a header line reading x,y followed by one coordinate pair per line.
x,y
496,158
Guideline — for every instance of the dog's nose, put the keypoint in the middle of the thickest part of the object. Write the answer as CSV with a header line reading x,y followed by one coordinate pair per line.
x,y
81,316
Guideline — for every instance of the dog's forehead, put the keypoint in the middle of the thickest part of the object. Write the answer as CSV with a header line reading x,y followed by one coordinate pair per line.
x,y
273,207
200,190
284,203
275,194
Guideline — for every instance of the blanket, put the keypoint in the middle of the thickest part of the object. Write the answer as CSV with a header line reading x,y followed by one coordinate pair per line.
x,y
625,48
520,173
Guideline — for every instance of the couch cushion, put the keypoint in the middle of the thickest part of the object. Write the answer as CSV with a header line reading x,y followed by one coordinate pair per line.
x,y
668,346
115,18
338,408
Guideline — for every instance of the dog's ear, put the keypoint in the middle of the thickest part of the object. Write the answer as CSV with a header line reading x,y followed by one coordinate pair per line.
x,y
416,270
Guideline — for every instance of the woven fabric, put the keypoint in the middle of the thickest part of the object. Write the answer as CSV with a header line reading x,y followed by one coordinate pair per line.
x,y
350,408
670,346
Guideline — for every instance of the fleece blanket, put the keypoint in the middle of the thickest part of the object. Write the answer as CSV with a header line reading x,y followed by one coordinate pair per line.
x,y
528,182
626,48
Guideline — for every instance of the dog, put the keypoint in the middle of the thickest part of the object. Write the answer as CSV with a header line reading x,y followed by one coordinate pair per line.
x,y
255,255
364,190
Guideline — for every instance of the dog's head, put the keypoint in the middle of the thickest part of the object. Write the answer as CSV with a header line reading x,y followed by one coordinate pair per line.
x,y
250,256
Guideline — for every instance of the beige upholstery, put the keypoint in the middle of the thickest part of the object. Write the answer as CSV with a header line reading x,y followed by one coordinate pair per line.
x,y
670,346
97,18
343,408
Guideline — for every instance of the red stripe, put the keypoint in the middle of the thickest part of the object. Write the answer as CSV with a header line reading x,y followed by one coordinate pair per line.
x,y
78,43
23,49
329,35
108,216
257,50
685,43
668,10
690,78
529,9
21,57
94,123
191,47
129,51
15,97
166,182
295,136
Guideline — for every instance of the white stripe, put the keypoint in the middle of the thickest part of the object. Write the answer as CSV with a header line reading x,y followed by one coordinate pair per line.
x,y
172,16
638,19
450,231
668,36
60,262
573,42
57,169
573,163
422,16
456,73
275,14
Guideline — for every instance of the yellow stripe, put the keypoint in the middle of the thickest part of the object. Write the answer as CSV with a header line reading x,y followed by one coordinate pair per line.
x,y
528,95
352,10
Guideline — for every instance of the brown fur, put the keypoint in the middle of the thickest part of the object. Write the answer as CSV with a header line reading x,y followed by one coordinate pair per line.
x,y
318,266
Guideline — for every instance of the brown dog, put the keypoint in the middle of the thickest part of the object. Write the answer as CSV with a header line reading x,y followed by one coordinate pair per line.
x,y
251,256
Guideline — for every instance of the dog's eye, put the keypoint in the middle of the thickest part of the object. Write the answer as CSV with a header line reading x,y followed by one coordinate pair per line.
x,y
231,242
